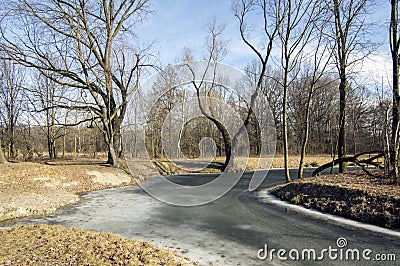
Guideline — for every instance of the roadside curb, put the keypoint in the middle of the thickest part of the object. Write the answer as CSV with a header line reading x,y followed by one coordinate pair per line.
x,y
265,196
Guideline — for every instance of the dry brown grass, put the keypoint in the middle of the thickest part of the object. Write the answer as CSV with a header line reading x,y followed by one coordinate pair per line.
x,y
165,167
309,161
294,160
28,189
57,245
354,195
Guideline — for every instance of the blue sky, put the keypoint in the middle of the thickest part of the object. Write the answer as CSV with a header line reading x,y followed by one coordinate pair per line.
x,y
182,23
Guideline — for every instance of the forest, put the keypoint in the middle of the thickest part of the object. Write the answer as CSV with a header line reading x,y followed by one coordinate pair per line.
x,y
71,79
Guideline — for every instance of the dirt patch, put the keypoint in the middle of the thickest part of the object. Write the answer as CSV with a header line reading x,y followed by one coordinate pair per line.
x,y
374,200
57,245
116,178
28,189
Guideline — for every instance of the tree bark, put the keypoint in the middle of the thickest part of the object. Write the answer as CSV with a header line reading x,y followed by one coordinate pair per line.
x,y
13,153
112,156
342,124
341,36
393,171
305,133
285,127
221,128
2,158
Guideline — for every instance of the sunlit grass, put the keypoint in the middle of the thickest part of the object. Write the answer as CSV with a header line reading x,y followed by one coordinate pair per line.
x,y
57,245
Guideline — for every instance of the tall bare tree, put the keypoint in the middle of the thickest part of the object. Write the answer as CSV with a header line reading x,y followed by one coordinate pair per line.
x,y
216,48
11,90
90,39
271,21
46,95
394,48
314,73
349,33
295,32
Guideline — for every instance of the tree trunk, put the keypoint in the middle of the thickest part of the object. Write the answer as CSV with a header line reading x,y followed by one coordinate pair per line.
x,y
306,132
112,154
393,172
49,143
118,143
64,142
342,124
224,132
227,142
114,142
285,138
112,157
12,140
284,114
2,158
363,163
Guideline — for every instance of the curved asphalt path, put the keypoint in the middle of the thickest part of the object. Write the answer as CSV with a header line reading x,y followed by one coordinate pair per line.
x,y
228,231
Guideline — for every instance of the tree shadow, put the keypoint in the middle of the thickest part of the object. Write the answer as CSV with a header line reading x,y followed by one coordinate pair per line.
x,y
199,165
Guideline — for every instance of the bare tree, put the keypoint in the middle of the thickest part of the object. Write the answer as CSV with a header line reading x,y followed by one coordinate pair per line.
x,y
45,97
394,48
350,38
315,72
268,10
11,82
216,48
170,96
90,40
295,32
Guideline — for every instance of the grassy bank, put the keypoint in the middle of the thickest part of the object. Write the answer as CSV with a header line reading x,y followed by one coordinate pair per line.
x,y
57,245
35,189
374,200
29,189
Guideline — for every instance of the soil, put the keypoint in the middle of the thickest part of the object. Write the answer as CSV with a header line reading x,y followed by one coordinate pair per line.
x,y
374,200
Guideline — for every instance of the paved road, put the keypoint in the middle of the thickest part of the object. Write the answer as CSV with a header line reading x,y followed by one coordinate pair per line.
x,y
228,231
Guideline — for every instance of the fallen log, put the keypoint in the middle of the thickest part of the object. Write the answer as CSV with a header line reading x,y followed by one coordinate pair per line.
x,y
364,163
